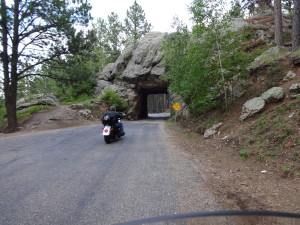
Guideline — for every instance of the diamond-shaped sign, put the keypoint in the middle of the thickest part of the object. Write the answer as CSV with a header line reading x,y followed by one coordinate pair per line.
x,y
176,106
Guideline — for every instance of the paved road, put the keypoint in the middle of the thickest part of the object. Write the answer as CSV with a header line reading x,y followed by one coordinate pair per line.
x,y
71,176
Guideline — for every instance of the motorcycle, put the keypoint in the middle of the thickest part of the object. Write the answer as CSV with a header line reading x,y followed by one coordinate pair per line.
x,y
110,131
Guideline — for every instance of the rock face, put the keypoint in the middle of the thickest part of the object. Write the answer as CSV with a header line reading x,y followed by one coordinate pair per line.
x,y
38,99
136,74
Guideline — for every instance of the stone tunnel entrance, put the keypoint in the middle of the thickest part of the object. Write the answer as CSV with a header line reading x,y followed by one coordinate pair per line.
x,y
153,101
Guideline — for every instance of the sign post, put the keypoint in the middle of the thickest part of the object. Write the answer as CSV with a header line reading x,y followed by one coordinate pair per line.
x,y
176,107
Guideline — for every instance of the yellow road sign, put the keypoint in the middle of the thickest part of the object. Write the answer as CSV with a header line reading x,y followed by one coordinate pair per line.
x,y
176,106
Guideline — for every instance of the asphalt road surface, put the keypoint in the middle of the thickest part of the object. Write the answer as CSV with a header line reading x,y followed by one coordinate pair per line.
x,y
70,176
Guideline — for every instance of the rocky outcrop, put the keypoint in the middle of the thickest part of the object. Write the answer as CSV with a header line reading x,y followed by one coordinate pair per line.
x,y
77,106
268,57
39,99
212,131
252,107
289,76
294,90
257,104
274,94
85,113
136,73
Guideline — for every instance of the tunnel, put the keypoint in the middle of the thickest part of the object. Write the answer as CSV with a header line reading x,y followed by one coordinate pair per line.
x,y
143,99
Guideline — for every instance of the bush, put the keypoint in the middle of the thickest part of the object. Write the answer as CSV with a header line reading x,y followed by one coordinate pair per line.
x,y
113,99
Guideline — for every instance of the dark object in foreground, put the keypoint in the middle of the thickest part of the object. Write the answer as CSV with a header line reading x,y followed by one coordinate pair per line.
x,y
222,217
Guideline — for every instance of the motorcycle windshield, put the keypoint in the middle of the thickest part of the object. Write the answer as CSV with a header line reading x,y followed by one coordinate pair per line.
x,y
222,218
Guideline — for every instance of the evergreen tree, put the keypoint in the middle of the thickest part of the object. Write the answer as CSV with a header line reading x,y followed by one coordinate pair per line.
x,y
236,9
33,33
287,5
296,26
253,5
75,72
136,24
278,22
110,37
115,30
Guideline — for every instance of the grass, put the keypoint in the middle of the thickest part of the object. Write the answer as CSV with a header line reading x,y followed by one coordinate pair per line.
x,y
31,110
274,137
287,169
80,99
244,153
189,136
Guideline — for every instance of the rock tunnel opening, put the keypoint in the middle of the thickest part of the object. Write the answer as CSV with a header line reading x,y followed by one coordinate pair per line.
x,y
153,101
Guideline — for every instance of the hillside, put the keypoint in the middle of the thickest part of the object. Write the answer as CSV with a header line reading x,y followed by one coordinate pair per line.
x,y
252,164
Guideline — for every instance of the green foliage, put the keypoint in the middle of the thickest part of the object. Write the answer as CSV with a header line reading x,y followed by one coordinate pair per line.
x,y
34,33
244,153
202,62
113,99
109,37
77,73
136,24
36,85
261,156
286,169
236,9
79,99
31,110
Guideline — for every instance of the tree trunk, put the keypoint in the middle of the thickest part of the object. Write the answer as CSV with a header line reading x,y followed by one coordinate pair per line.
x,y
10,77
296,26
278,23
11,109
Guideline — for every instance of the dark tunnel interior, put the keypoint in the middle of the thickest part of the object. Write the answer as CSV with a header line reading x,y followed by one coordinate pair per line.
x,y
144,93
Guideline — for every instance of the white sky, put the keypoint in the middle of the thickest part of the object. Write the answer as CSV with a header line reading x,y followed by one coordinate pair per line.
x,y
159,13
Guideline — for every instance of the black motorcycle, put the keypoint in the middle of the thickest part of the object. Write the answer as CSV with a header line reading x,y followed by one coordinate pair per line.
x,y
110,131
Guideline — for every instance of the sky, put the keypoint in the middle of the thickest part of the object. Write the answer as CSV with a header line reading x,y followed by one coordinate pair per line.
x,y
159,13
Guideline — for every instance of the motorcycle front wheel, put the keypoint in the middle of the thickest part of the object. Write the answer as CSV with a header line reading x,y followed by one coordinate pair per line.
x,y
107,139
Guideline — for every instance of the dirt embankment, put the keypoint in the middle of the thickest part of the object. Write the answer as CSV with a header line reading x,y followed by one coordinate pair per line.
x,y
239,184
252,164
54,118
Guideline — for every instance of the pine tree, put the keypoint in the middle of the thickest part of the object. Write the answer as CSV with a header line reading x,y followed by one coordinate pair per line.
x,y
296,26
114,36
32,34
136,24
278,22
110,36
